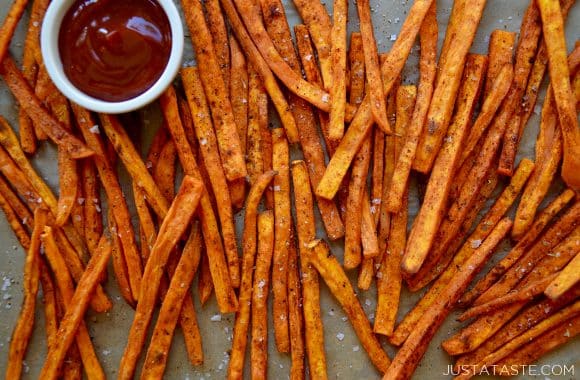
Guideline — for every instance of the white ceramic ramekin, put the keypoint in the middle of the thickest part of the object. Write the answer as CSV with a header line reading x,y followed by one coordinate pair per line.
x,y
50,53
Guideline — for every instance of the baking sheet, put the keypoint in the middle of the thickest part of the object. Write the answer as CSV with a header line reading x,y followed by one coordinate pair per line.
x,y
346,358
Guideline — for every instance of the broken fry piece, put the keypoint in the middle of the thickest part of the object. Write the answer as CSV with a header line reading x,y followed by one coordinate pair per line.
x,y
565,280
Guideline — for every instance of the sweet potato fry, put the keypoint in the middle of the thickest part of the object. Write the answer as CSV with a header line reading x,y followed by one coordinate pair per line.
x,y
356,65
259,343
242,322
377,174
15,222
250,14
9,26
362,121
23,329
24,216
91,203
427,71
493,100
73,317
173,226
257,115
306,230
282,228
295,316
216,92
430,216
216,24
446,88
208,148
543,219
415,346
318,254
134,164
451,31
565,280
266,147
157,353
205,282
117,204
369,239
120,267
338,58
553,31
260,65
65,285
30,103
500,52
373,72
542,327
319,24
164,171
311,146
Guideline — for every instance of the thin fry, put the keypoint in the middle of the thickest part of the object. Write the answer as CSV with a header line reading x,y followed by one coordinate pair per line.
x,y
257,115
216,24
15,222
295,316
500,52
338,59
91,205
9,26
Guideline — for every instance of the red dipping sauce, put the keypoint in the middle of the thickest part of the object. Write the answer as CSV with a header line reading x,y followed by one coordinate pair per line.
x,y
114,50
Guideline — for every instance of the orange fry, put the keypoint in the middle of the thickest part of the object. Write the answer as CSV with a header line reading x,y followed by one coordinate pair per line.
x,y
565,280
338,59
9,26
216,24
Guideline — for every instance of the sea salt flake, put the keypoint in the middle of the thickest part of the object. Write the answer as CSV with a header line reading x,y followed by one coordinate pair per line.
x,y
356,348
340,336
216,318
94,129
393,37
476,243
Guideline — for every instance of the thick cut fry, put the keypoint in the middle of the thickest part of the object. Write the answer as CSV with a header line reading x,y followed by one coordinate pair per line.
x,y
257,116
432,210
523,244
30,103
117,204
220,274
74,314
283,226
164,171
451,32
24,327
216,91
410,354
318,254
295,316
205,282
553,31
311,146
91,205
446,88
259,343
373,72
216,24
306,230
319,24
362,121
500,52
9,26
65,285
356,64
542,327
250,13
260,65
427,71
175,223
134,164
526,293
565,280
208,148
249,246
157,353
338,58
369,239
492,102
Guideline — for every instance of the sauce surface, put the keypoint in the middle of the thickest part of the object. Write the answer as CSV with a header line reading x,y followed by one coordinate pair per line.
x,y
114,50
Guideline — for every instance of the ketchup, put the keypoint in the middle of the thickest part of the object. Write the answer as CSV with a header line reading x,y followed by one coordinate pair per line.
x,y
114,50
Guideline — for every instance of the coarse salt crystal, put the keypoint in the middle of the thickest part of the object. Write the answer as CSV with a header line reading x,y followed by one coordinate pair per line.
x,y
94,129
80,201
356,348
475,243
203,141
340,336
393,37
216,318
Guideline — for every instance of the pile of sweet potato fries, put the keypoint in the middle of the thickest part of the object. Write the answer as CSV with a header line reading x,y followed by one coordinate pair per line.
x,y
457,131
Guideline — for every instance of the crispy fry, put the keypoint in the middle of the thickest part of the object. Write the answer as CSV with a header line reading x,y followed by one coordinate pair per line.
x,y
356,64
432,210
23,329
266,147
373,73
238,353
427,71
73,319
315,16
451,32
565,280
9,26
311,146
377,174
338,59
24,216
259,343
216,92
526,293
362,121
93,227
219,33
164,170
283,226
500,52
117,204
30,103
257,115
65,285
306,230
172,228
295,310
205,283
318,254
369,239
18,180
208,148
134,164
239,98
492,102
543,219
157,353
215,250
446,88
15,222
553,31
415,346
120,267
262,68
